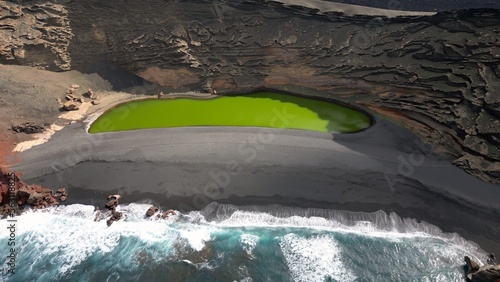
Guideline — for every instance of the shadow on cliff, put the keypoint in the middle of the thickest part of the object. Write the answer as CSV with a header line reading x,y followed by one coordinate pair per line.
x,y
119,78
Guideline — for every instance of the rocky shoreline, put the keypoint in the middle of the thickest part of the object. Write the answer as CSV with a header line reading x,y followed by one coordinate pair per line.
x,y
16,196
487,273
37,197
438,75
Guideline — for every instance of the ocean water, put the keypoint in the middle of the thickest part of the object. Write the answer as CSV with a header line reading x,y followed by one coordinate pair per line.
x,y
230,243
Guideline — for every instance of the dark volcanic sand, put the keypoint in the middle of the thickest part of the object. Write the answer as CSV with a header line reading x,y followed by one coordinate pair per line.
x,y
187,168
424,5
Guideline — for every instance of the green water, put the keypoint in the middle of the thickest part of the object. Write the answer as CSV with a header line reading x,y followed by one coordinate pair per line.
x,y
262,109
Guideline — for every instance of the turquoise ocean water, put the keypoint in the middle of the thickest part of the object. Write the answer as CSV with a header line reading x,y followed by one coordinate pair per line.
x,y
230,243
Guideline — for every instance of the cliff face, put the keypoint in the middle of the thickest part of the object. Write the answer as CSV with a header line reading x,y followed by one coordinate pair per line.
x,y
439,74
35,34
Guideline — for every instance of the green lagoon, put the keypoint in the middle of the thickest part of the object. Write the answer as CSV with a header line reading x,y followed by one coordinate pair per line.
x,y
262,109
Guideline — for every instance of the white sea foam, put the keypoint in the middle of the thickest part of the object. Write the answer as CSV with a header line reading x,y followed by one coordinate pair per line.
x,y
69,235
389,227
70,239
249,242
314,259
363,228
197,236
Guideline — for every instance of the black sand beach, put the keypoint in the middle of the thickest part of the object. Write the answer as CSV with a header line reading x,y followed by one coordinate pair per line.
x,y
383,168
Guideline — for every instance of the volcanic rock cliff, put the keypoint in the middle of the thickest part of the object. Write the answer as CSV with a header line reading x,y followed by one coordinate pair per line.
x,y
437,74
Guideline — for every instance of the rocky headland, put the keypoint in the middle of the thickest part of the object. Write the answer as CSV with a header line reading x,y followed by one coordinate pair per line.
x,y
486,273
16,196
438,74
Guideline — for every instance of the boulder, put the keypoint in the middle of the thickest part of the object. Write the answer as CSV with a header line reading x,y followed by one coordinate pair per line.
x,y
69,97
71,106
5,210
472,266
112,201
34,198
151,211
28,128
21,201
112,204
487,273
168,213
4,193
115,216
74,98
113,197
90,94
109,222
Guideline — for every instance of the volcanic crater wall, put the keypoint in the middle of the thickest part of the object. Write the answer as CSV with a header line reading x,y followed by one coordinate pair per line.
x,y
439,75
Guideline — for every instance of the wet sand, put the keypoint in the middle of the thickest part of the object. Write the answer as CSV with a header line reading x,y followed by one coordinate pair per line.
x,y
382,168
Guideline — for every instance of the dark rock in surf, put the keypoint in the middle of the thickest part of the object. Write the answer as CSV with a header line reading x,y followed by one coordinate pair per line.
x,y
111,205
115,216
113,197
168,213
487,273
151,211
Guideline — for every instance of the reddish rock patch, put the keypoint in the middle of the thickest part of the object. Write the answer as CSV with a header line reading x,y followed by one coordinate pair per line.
x,y
34,196
7,157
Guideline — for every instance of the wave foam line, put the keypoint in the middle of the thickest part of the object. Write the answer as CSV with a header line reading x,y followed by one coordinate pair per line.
x,y
375,224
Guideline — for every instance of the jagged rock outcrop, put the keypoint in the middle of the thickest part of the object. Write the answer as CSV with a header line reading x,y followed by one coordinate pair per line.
x,y
151,211
71,106
22,195
112,202
28,128
36,33
168,213
109,209
486,273
440,73
115,216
